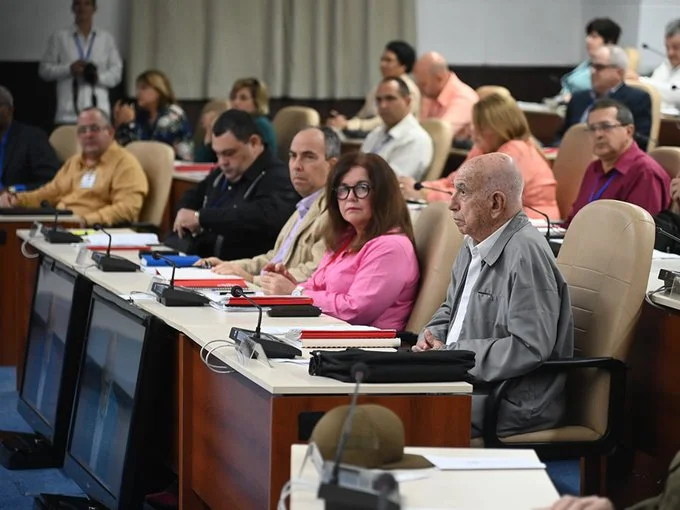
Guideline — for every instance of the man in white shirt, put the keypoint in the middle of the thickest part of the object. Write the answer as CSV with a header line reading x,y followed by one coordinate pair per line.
x,y
507,301
400,140
666,77
85,63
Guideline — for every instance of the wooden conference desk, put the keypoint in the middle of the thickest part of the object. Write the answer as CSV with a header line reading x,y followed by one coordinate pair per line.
x,y
640,469
17,280
234,431
507,489
181,181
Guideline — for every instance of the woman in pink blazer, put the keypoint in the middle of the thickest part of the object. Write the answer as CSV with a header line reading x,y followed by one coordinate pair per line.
x,y
369,274
499,125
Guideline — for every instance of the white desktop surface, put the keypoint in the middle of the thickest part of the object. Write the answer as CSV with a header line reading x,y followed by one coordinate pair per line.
x,y
45,220
206,323
190,175
671,262
507,489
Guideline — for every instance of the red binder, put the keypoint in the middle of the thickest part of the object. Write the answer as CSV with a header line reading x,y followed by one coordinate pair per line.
x,y
308,334
271,300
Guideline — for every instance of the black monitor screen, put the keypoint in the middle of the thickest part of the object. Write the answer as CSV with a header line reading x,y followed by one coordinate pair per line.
x,y
48,330
106,392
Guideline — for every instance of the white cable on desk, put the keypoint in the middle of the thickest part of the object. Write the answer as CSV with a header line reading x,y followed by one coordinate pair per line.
x,y
288,487
25,252
650,294
205,355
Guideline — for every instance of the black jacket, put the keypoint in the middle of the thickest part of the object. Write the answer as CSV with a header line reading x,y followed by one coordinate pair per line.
x,y
638,101
29,158
242,219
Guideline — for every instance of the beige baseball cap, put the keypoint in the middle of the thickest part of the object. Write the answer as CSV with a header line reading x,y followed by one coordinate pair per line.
x,y
376,440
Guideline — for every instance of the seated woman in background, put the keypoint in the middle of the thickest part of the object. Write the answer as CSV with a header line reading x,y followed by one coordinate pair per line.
x,y
499,125
369,274
210,112
599,32
250,95
157,116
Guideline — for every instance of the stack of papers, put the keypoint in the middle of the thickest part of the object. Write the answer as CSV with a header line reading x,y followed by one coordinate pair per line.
x,y
483,462
122,240
198,278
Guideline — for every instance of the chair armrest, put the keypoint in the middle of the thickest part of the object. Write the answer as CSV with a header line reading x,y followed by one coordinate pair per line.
x,y
617,392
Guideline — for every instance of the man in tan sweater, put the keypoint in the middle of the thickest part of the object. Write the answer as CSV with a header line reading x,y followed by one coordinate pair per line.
x,y
104,184
300,245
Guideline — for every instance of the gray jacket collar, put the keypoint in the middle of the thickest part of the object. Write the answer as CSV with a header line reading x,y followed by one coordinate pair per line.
x,y
516,224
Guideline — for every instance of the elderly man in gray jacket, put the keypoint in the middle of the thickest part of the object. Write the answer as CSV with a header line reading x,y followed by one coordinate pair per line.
x,y
507,301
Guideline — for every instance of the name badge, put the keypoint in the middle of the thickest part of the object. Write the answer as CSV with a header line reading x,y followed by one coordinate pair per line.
x,y
87,180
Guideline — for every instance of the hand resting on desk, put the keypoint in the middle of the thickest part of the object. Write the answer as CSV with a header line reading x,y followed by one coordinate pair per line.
x,y
428,342
7,199
275,279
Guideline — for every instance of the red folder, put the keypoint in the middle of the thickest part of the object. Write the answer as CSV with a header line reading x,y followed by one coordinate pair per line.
x,y
211,283
271,300
195,167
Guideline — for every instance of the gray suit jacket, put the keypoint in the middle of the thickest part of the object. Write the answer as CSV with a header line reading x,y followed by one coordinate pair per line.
x,y
518,316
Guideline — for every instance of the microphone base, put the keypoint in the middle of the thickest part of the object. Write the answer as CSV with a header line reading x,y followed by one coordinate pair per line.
x,y
61,237
171,296
338,497
113,264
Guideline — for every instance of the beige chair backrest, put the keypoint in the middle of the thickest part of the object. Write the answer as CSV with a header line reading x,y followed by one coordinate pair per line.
x,y
438,241
157,160
606,258
633,58
442,135
487,90
656,111
214,105
64,141
573,157
288,121
668,158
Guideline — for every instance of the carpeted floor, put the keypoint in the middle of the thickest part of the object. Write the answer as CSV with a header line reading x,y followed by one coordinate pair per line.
x,y
18,488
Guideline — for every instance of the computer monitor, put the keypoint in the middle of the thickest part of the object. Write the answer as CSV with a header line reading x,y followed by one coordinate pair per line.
x,y
50,367
121,417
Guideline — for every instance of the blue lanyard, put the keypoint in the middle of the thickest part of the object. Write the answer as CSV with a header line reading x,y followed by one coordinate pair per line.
x,y
596,196
85,56
3,150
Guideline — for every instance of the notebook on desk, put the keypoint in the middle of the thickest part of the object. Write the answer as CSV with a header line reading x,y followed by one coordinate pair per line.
x,y
34,211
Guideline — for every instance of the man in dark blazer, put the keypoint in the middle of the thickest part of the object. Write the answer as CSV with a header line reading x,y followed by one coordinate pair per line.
x,y
238,210
608,67
27,160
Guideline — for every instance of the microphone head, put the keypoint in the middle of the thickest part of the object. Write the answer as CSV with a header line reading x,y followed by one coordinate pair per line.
x,y
359,369
418,186
645,46
155,255
237,291
45,204
98,226
385,483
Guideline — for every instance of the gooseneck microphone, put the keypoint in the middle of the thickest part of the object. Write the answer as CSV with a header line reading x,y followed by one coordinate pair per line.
x,y
653,50
112,263
547,220
237,291
169,295
359,373
669,236
419,185
56,235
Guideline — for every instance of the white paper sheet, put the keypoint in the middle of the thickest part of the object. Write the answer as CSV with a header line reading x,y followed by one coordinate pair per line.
x,y
122,239
479,463
192,273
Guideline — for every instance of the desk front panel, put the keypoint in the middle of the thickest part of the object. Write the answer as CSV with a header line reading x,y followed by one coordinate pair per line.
x,y
235,437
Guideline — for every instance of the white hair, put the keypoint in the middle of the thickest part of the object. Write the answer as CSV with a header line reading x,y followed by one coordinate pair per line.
x,y
618,57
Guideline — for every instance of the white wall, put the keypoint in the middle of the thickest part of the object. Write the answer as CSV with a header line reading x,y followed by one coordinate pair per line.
x,y
25,25
654,15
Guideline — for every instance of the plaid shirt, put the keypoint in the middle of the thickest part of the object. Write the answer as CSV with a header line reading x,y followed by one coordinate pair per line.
x,y
171,126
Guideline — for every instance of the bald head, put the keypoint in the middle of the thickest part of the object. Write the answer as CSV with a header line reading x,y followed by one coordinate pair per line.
x,y
431,72
488,193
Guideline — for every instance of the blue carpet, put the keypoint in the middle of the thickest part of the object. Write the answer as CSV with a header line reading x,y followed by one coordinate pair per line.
x,y
18,488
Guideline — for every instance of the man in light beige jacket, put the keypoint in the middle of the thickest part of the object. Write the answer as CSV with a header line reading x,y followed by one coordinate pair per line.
x,y
300,245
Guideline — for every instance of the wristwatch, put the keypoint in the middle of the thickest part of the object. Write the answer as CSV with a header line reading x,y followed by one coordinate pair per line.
x,y
197,214
297,291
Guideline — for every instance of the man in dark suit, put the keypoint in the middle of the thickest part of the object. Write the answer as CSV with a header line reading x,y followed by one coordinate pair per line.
x,y
608,67
238,210
27,160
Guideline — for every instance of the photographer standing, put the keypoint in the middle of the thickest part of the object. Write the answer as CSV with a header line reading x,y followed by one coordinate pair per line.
x,y
85,63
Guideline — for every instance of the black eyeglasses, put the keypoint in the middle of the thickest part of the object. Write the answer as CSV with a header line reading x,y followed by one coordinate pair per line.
x,y
94,128
600,67
360,189
604,127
